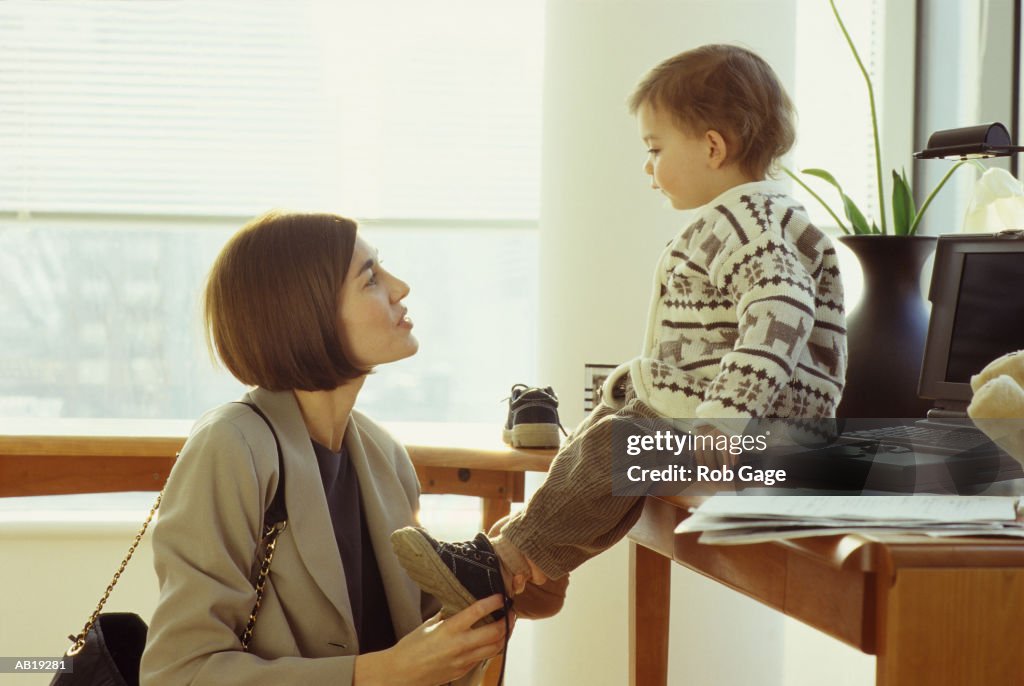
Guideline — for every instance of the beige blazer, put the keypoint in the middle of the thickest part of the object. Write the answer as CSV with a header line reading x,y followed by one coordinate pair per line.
x,y
205,539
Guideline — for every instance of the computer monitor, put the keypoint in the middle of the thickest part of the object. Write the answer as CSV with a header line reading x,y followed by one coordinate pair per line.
x,y
977,295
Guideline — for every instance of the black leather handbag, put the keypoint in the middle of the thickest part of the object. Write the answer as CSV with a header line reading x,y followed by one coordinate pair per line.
x,y
108,650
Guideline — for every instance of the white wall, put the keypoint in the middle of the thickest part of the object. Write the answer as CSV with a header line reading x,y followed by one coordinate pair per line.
x,y
56,565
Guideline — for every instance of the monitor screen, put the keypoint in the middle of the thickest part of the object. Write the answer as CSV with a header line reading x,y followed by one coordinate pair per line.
x,y
977,295
989,320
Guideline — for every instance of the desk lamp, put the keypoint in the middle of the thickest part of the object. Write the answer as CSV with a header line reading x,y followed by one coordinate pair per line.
x,y
969,142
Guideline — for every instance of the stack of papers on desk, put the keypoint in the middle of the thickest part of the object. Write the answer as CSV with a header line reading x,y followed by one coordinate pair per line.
x,y
755,519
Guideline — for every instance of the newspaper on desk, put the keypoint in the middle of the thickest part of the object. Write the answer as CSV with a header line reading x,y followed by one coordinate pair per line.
x,y
724,519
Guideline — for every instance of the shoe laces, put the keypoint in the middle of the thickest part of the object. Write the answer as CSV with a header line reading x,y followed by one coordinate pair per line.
x,y
506,601
467,549
523,388
464,548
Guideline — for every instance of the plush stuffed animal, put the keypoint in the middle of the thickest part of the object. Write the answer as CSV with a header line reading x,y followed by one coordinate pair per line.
x,y
997,406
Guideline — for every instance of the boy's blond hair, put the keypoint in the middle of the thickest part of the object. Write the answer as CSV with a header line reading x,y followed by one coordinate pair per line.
x,y
728,89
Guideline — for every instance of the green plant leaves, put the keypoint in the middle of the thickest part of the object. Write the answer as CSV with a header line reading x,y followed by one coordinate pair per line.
x,y
800,182
903,209
906,216
857,221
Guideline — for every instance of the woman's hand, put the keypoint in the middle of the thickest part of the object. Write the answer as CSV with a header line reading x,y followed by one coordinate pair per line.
x,y
438,651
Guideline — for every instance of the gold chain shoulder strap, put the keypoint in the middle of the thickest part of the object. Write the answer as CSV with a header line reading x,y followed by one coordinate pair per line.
x,y
268,545
80,638
275,521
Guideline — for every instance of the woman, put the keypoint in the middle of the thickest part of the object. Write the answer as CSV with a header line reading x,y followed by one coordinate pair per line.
x,y
299,306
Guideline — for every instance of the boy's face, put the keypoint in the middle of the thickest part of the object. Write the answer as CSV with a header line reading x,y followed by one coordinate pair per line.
x,y
681,165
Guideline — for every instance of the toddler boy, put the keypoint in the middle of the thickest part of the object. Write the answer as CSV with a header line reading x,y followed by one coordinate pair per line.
x,y
746,321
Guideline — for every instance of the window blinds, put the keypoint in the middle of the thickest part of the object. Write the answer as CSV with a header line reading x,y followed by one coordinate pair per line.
x,y
390,109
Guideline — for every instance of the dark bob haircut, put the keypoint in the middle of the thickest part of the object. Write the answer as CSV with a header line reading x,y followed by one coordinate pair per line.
x,y
271,302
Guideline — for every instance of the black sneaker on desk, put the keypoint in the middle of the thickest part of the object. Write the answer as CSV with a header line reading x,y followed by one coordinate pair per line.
x,y
532,418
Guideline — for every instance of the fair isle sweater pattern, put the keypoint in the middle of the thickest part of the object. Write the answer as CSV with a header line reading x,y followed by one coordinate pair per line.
x,y
747,315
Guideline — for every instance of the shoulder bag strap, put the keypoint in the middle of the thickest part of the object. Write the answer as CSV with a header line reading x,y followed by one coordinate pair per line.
x,y
79,640
275,520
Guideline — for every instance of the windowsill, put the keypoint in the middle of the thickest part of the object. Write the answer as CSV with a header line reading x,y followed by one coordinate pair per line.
x,y
60,516
87,426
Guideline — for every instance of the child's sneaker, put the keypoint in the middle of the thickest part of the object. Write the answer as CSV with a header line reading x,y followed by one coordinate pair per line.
x,y
532,418
457,574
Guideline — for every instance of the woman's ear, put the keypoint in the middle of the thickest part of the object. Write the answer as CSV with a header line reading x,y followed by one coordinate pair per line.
x,y
717,150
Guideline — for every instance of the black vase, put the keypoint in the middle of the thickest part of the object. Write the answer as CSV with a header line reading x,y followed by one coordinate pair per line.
x,y
886,329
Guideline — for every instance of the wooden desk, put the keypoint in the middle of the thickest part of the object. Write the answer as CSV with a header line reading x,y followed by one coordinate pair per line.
x,y
933,612
77,456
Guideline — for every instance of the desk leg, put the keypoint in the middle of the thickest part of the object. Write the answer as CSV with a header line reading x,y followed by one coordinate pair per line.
x,y
650,577
494,509
951,626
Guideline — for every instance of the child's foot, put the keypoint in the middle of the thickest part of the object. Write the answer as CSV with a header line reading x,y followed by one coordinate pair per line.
x,y
457,574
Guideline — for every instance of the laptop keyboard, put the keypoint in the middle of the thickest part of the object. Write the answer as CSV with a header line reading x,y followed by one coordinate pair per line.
x,y
935,439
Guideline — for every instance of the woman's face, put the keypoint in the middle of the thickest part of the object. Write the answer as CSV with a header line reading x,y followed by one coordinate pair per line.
x,y
372,320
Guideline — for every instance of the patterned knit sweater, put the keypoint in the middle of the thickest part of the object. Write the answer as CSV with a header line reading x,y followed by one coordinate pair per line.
x,y
747,315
